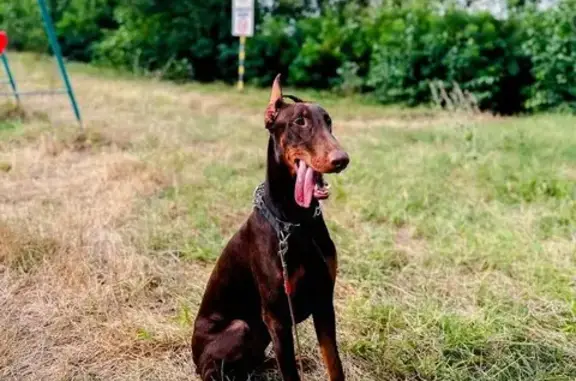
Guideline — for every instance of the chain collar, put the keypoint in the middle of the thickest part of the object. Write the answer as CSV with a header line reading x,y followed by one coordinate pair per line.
x,y
283,228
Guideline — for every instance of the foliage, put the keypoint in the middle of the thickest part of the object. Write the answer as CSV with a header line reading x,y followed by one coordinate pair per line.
x,y
83,23
552,48
271,50
524,62
477,51
22,21
329,42
181,39
79,25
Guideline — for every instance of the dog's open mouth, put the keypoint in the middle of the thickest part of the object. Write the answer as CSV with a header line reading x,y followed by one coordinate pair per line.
x,y
309,183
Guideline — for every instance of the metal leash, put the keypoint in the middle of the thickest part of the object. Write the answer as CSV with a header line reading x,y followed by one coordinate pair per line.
x,y
283,231
282,250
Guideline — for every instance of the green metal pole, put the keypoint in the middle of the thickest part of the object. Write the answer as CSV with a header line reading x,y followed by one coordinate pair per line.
x,y
49,26
4,58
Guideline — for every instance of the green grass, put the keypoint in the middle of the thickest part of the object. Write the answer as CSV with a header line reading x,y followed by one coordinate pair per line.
x,y
456,236
484,287
478,217
485,222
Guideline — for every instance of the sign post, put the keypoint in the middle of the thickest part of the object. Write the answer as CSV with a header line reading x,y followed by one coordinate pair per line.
x,y
242,26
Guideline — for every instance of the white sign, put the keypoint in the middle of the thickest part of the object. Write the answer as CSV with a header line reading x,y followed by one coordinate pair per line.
x,y
243,18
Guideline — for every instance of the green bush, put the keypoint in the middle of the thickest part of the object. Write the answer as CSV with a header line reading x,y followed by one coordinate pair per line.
x,y
551,46
23,23
83,23
328,43
179,38
272,50
78,23
477,51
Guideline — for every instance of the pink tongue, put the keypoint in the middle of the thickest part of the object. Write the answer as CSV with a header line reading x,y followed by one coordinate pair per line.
x,y
304,188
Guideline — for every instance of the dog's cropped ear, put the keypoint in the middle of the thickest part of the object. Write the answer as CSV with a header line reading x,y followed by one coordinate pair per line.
x,y
274,104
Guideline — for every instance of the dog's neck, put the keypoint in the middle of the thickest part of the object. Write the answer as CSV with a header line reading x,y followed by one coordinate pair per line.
x,y
279,189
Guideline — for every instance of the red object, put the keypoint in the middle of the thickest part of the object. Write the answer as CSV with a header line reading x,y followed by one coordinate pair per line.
x,y
288,287
3,41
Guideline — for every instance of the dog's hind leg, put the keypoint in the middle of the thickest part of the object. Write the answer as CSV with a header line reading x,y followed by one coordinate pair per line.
x,y
223,358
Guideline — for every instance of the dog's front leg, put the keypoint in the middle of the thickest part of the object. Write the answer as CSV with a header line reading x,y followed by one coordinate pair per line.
x,y
283,346
325,326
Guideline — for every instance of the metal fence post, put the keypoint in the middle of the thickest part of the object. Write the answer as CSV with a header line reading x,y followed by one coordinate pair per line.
x,y
49,26
4,58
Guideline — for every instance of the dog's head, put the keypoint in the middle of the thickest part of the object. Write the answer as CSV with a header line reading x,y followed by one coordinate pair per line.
x,y
302,132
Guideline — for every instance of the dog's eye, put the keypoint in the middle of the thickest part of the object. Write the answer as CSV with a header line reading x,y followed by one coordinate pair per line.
x,y
299,121
328,120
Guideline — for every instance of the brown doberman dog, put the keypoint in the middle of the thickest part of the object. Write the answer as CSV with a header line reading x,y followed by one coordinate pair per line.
x,y
245,305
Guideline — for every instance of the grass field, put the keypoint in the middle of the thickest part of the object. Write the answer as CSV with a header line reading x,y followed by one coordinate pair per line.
x,y
456,233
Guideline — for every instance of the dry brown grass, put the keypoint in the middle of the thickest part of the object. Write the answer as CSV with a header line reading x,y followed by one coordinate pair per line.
x,y
79,297
77,291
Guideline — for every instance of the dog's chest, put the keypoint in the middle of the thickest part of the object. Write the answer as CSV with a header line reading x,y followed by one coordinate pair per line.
x,y
308,283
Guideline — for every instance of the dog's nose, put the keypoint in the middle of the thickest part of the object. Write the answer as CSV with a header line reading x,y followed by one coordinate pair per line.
x,y
339,160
